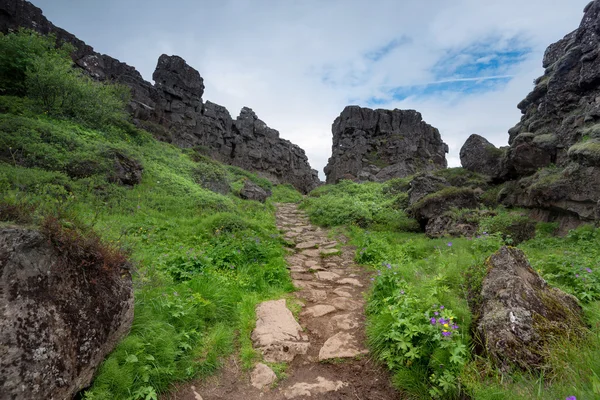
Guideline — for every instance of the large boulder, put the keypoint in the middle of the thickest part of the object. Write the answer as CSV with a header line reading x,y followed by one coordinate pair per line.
x,y
378,145
66,301
521,314
479,155
251,191
423,185
436,204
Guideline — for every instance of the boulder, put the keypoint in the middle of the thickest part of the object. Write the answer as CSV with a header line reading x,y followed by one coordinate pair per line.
x,y
62,314
479,155
436,204
378,145
521,314
251,191
126,170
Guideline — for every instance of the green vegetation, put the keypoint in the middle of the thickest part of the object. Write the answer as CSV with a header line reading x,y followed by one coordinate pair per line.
x,y
202,260
420,310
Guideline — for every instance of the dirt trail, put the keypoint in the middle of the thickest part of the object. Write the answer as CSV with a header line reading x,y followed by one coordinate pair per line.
x,y
327,355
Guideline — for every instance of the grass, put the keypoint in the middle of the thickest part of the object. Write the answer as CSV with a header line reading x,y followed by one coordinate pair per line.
x,y
415,275
203,260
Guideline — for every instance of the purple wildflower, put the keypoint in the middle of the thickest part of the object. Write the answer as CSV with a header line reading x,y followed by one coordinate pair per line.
x,y
589,270
433,321
571,398
576,275
436,313
372,279
446,333
402,292
442,307
454,326
449,244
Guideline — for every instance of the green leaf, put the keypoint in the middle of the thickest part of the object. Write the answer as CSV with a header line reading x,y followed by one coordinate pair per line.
x,y
132,358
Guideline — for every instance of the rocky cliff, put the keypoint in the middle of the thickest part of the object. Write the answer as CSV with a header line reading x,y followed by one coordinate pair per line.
x,y
173,108
379,145
553,161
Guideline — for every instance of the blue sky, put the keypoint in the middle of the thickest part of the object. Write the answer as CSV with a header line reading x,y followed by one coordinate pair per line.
x,y
463,64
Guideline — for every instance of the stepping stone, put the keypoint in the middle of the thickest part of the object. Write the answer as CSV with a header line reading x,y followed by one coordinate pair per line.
x,y
262,376
326,276
316,268
309,389
312,253
327,252
314,295
329,245
341,345
311,263
331,265
342,293
308,284
296,268
344,303
291,234
302,276
319,310
306,245
350,281
277,334
344,322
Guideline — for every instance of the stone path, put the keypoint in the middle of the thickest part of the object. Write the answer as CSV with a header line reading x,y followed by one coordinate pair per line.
x,y
325,349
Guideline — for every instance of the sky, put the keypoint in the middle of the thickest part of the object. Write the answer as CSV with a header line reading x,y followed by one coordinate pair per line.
x,y
464,64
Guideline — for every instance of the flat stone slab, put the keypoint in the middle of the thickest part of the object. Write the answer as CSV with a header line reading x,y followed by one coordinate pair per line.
x,y
314,295
302,276
316,268
311,263
327,276
331,265
262,376
312,253
327,252
306,245
319,310
344,322
341,345
298,269
344,303
277,334
308,284
321,386
350,281
342,292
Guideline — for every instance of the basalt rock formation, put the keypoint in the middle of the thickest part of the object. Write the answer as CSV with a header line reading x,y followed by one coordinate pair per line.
x,y
553,159
61,314
378,145
173,108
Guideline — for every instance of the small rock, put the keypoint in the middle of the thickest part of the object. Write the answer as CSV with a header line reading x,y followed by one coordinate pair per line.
x,y
313,253
315,295
262,376
343,303
342,293
251,191
341,345
344,322
319,310
328,252
308,389
350,281
306,245
327,276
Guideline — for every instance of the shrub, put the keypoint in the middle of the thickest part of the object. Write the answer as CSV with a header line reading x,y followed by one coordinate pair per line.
x,y
286,194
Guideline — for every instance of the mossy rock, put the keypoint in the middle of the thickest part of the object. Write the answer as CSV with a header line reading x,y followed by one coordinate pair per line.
x,y
586,153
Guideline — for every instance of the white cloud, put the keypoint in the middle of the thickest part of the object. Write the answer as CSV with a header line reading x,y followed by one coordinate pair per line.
x,y
274,55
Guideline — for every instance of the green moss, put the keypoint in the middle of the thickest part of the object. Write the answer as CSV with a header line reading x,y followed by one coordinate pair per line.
x,y
589,151
462,177
547,139
446,193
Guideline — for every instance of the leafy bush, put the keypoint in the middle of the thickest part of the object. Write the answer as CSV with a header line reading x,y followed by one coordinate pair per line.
x,y
37,68
285,194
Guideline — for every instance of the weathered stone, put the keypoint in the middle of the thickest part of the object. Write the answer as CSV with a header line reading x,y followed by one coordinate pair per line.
x,y
277,334
343,303
520,313
262,376
479,155
59,319
379,145
341,345
319,310
315,295
329,252
436,204
251,191
127,171
423,185
344,322
309,389
350,281
306,245
342,292
327,276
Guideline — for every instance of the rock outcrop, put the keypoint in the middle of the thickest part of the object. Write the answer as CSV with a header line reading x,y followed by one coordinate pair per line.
x,y
173,108
378,145
479,155
521,314
60,316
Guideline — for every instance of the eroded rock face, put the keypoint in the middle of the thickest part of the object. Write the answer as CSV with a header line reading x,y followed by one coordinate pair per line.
x,y
58,321
378,145
520,313
481,156
251,191
173,108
